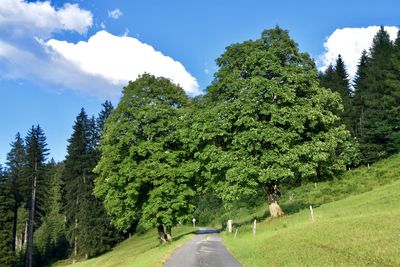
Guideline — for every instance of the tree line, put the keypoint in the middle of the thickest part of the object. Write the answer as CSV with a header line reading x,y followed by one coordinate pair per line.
x,y
372,100
48,209
268,119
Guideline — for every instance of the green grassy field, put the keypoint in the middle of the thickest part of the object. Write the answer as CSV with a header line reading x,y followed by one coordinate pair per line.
x,y
141,250
361,229
357,223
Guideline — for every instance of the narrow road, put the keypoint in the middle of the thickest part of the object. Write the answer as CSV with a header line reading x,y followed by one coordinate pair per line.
x,y
204,250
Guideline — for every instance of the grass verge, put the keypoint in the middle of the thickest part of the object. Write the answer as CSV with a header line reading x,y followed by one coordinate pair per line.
x,y
361,230
141,250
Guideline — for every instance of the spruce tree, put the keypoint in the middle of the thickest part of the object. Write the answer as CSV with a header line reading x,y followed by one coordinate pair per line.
x,y
50,238
360,86
36,155
88,225
392,100
7,205
376,125
16,165
336,78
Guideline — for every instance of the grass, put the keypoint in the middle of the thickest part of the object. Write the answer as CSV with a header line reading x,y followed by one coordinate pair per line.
x,y
141,250
357,223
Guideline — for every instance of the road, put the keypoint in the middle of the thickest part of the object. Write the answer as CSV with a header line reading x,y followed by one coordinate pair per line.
x,y
204,250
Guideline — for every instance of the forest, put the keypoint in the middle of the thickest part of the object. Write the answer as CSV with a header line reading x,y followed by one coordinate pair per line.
x,y
268,119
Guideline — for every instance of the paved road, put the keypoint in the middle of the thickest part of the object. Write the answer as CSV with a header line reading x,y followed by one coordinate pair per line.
x,y
204,250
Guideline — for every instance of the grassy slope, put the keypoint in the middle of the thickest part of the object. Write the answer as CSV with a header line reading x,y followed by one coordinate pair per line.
x,y
139,251
358,230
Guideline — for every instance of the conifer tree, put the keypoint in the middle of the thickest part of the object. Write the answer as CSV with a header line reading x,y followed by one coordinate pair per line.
x,y
360,86
50,240
337,79
36,155
392,100
88,225
103,115
16,165
7,204
376,127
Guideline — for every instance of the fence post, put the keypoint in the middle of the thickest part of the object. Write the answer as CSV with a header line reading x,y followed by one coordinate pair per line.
x,y
230,226
312,214
254,227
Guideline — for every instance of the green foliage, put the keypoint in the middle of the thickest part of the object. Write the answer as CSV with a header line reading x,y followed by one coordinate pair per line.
x,y
270,119
377,100
337,79
88,226
145,170
36,154
7,204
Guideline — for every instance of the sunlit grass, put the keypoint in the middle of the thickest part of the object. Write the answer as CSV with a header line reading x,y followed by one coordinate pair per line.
x,y
139,251
361,229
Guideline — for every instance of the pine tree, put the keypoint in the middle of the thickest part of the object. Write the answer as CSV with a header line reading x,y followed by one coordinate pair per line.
x,y
360,87
376,127
392,99
337,79
16,164
36,154
7,205
50,238
89,227
103,115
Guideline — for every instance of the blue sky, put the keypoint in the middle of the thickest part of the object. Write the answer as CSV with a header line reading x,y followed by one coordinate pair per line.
x,y
46,76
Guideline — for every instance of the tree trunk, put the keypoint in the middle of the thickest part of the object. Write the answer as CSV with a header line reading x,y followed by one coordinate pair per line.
x,y
14,229
169,233
31,222
275,210
273,195
161,234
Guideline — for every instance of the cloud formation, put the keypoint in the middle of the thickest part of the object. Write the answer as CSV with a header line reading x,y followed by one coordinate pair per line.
x,y
115,14
41,19
349,43
120,59
100,66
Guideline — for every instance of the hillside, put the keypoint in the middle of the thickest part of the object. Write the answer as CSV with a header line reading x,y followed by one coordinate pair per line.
x,y
356,223
359,230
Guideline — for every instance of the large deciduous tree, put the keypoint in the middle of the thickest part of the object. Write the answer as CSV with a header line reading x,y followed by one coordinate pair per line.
x,y
145,171
272,122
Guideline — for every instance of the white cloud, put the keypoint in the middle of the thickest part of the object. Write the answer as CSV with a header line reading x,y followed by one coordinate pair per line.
x,y
100,66
349,43
119,59
19,18
115,14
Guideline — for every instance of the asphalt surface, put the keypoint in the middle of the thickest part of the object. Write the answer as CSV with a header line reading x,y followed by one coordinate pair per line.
x,y
204,250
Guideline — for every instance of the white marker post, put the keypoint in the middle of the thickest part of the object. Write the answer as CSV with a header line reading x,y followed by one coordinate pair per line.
x,y
312,214
254,227
230,226
194,222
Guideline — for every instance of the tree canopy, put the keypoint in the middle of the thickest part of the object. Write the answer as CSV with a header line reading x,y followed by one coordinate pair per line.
x,y
145,173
